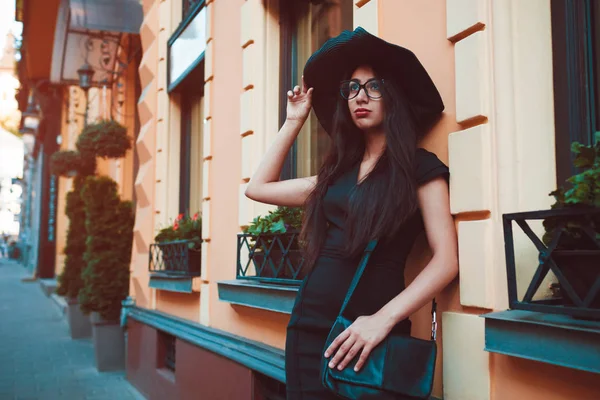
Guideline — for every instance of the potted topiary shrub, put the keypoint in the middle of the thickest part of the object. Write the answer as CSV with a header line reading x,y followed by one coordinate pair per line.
x,y
109,225
185,234
73,164
69,281
106,139
274,244
577,235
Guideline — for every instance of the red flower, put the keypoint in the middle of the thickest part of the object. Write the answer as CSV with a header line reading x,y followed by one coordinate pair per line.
x,y
179,218
175,226
195,217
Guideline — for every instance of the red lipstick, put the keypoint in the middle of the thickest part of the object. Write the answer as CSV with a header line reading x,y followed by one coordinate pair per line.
x,y
362,112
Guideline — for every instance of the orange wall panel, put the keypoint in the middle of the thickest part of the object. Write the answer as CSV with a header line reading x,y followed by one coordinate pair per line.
x,y
421,27
517,378
182,305
263,326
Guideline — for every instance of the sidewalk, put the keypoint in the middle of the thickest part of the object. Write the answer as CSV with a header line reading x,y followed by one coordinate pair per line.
x,y
39,360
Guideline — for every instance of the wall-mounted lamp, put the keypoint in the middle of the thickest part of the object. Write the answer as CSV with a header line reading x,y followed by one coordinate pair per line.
x,y
86,73
31,117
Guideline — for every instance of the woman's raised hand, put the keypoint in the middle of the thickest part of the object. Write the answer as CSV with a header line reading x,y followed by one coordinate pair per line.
x,y
299,102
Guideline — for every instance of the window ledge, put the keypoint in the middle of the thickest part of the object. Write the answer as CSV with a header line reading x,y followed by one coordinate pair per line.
x,y
174,283
167,374
549,338
272,297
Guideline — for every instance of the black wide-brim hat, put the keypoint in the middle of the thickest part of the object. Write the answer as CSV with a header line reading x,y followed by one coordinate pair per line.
x,y
341,55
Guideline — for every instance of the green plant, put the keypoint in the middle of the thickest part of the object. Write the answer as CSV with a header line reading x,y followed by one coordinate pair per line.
x,y
70,163
106,139
583,193
69,281
183,228
281,220
109,225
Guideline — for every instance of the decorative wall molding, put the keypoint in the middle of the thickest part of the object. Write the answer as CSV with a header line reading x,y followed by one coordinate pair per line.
x,y
256,356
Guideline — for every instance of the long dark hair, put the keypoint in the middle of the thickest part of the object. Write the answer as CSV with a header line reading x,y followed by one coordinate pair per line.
x,y
381,204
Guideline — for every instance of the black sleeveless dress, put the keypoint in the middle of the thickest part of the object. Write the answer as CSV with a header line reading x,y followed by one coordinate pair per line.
x,y
323,290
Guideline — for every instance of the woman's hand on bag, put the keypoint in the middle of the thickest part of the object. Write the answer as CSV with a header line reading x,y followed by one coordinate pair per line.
x,y
299,103
359,338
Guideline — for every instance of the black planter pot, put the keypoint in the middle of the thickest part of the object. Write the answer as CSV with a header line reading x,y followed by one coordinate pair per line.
x,y
576,255
172,262
276,257
194,259
581,269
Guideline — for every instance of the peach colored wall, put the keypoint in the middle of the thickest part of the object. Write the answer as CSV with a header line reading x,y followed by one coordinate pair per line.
x,y
143,232
126,116
226,86
421,27
182,305
64,185
71,126
517,378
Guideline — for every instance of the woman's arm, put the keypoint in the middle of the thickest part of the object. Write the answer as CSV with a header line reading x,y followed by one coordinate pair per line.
x,y
368,331
265,185
434,202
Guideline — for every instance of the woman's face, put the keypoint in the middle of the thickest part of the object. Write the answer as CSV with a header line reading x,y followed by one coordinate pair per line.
x,y
367,111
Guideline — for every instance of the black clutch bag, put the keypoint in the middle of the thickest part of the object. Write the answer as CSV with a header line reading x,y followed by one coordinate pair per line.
x,y
400,368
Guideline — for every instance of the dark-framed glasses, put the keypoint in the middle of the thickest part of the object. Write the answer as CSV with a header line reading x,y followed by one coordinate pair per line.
x,y
373,88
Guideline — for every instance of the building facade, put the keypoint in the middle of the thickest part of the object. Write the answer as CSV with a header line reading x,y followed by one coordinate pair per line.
x,y
59,37
213,81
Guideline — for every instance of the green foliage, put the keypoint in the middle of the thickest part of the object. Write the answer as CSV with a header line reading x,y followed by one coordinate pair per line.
x,y
281,220
583,193
69,281
69,163
109,225
183,228
106,139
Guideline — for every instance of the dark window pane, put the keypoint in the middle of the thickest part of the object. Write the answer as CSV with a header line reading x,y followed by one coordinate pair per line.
x,y
575,61
305,27
595,58
166,351
268,388
188,6
186,156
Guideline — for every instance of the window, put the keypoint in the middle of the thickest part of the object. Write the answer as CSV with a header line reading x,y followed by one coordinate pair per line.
x,y
266,388
576,53
166,351
192,119
304,27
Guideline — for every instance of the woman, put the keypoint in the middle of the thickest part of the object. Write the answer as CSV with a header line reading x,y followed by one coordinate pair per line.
x,y
374,99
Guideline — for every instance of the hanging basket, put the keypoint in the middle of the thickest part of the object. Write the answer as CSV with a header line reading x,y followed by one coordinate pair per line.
x,y
106,139
69,163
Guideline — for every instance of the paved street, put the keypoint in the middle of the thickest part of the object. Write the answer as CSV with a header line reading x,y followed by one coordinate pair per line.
x,y
38,359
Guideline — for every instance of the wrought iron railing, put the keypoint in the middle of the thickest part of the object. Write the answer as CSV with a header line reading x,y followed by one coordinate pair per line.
x,y
174,258
577,271
273,258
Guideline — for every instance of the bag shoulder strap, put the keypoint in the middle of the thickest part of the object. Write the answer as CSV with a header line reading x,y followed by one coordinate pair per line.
x,y
359,272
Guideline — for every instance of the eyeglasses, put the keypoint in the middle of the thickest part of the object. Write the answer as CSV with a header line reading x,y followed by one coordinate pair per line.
x,y
373,88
